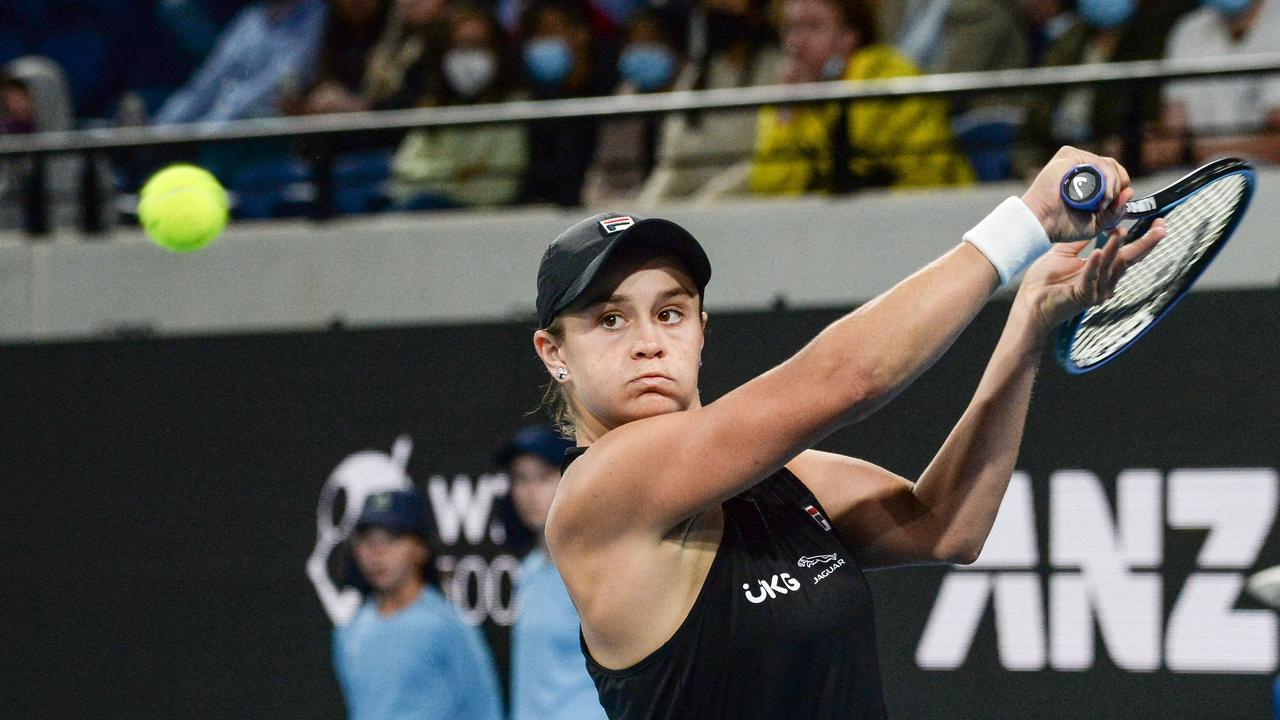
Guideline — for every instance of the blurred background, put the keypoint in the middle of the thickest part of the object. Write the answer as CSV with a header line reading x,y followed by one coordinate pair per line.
x,y
184,433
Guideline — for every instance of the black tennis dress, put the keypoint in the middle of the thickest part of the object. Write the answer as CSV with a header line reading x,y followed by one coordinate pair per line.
x,y
782,628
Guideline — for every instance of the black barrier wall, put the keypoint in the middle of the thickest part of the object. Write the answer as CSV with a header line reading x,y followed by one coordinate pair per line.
x,y
161,502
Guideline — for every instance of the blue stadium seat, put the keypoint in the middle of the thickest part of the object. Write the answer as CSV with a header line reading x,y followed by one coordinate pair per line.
x,y
274,188
87,56
26,14
16,28
360,181
108,15
988,143
12,44
115,10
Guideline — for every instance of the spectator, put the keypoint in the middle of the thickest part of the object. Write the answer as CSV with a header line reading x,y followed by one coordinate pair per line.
x,y
700,154
349,37
1089,35
34,97
398,72
1205,118
605,16
407,654
950,36
194,25
465,166
1093,31
1047,22
263,56
915,27
888,143
946,36
561,62
549,679
626,148
17,107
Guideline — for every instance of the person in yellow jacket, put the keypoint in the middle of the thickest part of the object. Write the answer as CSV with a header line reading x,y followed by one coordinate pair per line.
x,y
889,143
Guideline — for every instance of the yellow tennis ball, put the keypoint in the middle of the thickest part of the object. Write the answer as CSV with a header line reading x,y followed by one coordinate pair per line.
x,y
182,208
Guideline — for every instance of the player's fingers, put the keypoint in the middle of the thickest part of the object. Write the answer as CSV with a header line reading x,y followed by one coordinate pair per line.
x,y
1107,256
1117,265
1138,249
1114,211
1111,169
1088,284
1121,174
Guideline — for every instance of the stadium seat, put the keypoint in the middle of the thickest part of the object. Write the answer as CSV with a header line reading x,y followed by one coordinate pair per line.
x,y
360,181
16,28
116,10
988,143
26,14
275,188
12,44
87,56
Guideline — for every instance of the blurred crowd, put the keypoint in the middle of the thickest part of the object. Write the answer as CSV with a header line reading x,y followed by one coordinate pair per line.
x,y
244,60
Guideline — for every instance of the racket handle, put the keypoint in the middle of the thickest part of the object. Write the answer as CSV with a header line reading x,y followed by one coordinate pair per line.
x,y
1084,187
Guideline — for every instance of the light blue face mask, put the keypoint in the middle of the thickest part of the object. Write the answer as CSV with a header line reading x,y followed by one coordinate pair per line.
x,y
1230,8
833,68
648,66
1105,14
548,61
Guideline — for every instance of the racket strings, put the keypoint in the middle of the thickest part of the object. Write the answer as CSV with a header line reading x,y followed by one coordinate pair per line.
x,y
1150,285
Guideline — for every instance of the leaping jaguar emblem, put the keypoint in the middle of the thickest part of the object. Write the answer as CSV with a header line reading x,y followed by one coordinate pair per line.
x,y
814,560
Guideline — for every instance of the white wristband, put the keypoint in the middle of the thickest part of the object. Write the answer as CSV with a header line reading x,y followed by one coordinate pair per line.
x,y
1011,237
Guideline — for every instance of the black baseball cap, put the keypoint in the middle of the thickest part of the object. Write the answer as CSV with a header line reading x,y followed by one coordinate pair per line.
x,y
403,512
576,257
540,440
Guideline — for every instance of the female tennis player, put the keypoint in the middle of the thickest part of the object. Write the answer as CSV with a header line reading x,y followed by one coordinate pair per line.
x,y
715,560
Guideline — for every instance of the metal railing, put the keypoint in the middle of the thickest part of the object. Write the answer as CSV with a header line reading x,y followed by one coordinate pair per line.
x,y
92,142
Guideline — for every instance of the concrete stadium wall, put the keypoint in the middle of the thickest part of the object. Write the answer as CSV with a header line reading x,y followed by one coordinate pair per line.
x,y
480,266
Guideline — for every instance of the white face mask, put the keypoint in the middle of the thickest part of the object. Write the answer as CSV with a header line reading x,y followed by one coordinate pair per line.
x,y
470,71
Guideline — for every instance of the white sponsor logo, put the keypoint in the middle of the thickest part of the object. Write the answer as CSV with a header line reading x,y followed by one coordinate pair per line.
x,y
1082,184
463,509
357,477
811,560
775,586
1146,204
823,575
1105,578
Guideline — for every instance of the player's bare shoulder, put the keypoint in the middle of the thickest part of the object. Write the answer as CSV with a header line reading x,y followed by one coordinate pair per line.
x,y
591,501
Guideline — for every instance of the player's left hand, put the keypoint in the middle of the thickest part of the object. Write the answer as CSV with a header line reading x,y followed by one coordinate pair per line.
x,y
1061,285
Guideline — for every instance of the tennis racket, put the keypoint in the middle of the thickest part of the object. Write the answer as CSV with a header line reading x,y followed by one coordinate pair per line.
x,y
1200,211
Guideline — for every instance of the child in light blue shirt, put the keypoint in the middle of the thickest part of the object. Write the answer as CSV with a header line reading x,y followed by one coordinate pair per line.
x,y
407,654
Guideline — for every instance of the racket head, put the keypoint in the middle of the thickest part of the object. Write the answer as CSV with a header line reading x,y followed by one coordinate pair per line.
x,y
1201,211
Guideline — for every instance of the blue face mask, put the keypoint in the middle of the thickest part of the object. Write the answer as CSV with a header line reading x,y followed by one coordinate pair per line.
x,y
833,68
648,66
548,60
1230,8
1105,14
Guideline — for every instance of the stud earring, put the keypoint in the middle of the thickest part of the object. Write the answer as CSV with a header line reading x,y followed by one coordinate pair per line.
x,y
561,374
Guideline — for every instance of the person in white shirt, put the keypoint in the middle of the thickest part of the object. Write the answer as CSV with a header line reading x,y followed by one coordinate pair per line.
x,y
1201,119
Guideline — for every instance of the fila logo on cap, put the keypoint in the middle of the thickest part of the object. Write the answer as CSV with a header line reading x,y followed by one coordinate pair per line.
x,y
616,224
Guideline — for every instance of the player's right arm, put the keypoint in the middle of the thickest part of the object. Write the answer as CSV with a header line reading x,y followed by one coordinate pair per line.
x,y
649,476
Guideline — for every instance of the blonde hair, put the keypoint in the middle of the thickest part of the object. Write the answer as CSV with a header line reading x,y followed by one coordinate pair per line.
x,y
556,400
